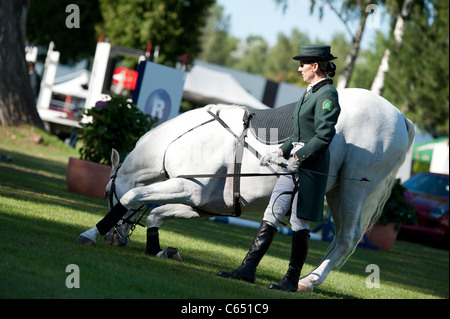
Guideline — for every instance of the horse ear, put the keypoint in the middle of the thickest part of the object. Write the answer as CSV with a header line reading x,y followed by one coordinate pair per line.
x,y
115,159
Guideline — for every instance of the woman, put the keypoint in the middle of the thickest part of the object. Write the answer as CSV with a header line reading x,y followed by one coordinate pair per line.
x,y
306,150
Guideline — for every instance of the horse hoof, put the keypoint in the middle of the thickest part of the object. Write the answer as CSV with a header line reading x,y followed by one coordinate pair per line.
x,y
120,241
112,238
170,252
84,241
304,288
109,238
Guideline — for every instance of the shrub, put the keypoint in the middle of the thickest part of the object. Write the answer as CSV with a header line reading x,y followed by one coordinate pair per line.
x,y
117,123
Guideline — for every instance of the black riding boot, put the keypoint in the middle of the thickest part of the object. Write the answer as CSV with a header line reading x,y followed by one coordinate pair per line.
x,y
299,251
261,243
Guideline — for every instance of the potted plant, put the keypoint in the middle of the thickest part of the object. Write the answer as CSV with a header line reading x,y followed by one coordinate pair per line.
x,y
116,123
396,211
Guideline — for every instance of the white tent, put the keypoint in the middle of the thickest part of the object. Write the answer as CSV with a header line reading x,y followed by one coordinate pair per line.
x,y
201,85
77,86
207,86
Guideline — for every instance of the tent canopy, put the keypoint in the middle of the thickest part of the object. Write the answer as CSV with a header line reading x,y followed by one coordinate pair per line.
x,y
202,85
206,86
77,86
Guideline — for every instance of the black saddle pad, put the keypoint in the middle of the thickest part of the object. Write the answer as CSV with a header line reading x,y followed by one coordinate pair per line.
x,y
271,126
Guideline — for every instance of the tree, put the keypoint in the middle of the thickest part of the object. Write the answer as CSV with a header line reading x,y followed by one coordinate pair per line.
x,y
254,55
73,43
418,77
399,30
280,65
217,45
368,63
31,18
350,10
17,104
174,25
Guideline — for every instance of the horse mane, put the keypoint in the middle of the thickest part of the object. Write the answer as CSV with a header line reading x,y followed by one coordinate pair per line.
x,y
215,108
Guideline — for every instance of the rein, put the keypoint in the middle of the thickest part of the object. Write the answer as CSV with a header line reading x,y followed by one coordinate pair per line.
x,y
364,179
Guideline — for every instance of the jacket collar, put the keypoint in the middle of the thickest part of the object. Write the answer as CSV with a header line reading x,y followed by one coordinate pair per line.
x,y
321,84
315,89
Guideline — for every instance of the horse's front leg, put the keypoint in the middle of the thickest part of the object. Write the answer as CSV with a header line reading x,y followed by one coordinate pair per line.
x,y
154,221
171,191
89,237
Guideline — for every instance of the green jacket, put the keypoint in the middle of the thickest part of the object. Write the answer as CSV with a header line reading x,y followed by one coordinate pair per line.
x,y
314,119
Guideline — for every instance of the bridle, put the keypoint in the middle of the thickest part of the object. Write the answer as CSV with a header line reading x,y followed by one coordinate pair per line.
x,y
112,194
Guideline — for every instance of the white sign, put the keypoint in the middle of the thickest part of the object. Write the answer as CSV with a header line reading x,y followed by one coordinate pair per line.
x,y
159,90
439,160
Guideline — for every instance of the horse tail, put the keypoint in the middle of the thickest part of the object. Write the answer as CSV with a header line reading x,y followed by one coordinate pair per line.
x,y
373,207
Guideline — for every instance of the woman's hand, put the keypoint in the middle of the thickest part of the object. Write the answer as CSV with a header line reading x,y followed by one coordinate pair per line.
x,y
293,164
272,156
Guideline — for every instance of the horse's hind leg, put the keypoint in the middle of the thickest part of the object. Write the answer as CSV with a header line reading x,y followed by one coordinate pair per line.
x,y
348,203
157,216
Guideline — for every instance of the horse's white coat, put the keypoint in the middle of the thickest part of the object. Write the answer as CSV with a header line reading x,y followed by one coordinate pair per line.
x,y
371,142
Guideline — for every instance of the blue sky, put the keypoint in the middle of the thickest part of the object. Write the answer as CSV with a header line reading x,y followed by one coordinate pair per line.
x,y
266,18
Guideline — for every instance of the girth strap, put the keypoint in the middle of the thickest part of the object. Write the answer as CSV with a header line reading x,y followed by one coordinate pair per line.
x,y
237,160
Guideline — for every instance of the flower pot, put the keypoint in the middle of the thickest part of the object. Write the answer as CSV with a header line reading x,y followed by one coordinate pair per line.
x,y
383,236
87,178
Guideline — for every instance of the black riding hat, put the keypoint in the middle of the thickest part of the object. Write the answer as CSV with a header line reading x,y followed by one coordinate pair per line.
x,y
315,53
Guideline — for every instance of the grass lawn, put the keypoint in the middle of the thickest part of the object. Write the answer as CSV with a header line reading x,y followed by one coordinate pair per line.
x,y
40,219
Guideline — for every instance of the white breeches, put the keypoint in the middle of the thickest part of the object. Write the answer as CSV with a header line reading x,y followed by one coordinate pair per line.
x,y
279,203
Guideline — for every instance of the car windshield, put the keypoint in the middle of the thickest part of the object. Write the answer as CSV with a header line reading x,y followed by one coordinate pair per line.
x,y
428,184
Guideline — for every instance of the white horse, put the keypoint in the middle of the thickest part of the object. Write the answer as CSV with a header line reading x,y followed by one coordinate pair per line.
x,y
371,143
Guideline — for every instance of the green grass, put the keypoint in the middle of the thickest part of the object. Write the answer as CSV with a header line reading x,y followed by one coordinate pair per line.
x,y
39,220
